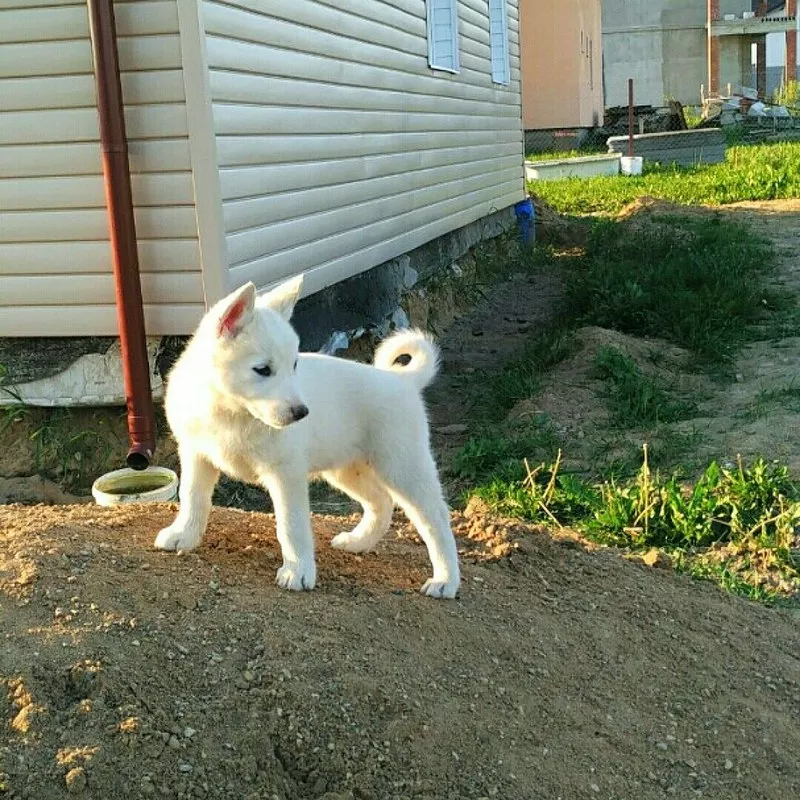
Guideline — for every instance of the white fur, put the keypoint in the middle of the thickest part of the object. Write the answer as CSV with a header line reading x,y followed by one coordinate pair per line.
x,y
366,433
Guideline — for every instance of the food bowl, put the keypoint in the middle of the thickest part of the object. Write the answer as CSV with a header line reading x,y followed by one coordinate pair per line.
x,y
122,486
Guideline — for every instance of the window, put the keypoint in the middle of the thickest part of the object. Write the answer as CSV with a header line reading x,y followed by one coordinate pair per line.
x,y
498,37
443,34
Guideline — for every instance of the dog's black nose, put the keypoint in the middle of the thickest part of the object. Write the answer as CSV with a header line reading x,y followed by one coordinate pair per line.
x,y
298,412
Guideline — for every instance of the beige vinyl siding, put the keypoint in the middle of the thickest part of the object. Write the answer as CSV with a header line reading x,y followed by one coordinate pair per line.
x,y
55,260
338,147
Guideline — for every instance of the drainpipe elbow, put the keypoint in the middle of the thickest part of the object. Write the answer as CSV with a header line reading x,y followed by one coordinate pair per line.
x,y
138,457
142,442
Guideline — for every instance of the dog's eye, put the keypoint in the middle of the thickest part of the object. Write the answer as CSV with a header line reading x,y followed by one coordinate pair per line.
x,y
264,371
295,365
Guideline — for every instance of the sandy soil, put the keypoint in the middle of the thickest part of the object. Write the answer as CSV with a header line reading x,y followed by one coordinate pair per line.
x,y
558,673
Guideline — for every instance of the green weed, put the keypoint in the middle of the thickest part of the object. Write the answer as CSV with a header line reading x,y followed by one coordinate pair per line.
x,y
617,455
725,575
753,511
788,94
73,455
500,454
693,116
12,413
500,258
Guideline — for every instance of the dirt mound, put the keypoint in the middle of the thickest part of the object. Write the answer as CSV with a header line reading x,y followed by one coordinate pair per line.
x,y
572,396
558,673
647,206
649,214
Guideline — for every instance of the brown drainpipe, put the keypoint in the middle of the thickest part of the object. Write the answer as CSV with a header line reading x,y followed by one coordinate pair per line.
x,y
119,201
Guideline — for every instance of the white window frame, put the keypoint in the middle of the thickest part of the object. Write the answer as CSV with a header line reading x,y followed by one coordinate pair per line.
x,y
498,28
443,55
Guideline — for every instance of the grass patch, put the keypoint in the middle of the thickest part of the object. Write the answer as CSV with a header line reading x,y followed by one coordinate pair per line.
x,y
750,172
704,284
634,399
501,454
699,283
496,393
734,526
72,453
787,397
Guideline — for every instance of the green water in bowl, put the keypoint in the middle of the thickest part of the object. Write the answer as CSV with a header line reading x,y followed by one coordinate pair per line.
x,y
135,484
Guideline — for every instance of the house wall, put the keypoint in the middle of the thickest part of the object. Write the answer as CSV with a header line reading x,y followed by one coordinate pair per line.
x,y
55,263
562,64
661,44
633,47
338,148
590,80
734,62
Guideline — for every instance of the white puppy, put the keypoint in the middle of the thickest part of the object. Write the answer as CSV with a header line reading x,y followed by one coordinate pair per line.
x,y
242,401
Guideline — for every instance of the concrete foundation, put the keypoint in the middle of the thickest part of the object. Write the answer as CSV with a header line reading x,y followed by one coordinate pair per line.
x,y
581,167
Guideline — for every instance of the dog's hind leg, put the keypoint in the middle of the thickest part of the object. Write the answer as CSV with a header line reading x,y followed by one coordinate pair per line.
x,y
414,485
198,479
360,482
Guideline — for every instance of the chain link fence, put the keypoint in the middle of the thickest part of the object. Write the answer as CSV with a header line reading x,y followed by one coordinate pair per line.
x,y
742,120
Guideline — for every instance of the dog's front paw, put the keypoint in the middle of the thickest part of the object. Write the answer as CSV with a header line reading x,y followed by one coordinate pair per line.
x,y
297,577
177,538
441,590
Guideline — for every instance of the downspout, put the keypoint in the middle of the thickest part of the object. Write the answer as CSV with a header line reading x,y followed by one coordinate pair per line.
x,y
122,228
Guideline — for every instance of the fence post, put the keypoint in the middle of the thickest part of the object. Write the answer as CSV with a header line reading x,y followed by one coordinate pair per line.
x,y
630,117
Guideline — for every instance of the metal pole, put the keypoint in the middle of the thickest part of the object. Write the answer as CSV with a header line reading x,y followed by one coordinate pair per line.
x,y
630,117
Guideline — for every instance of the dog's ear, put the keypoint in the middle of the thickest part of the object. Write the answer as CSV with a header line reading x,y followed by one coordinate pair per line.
x,y
237,311
284,296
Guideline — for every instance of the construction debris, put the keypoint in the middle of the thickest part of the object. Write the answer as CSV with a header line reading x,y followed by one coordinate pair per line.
x,y
646,119
743,107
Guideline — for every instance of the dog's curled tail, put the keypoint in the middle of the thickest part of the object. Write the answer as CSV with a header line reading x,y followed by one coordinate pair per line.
x,y
412,352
